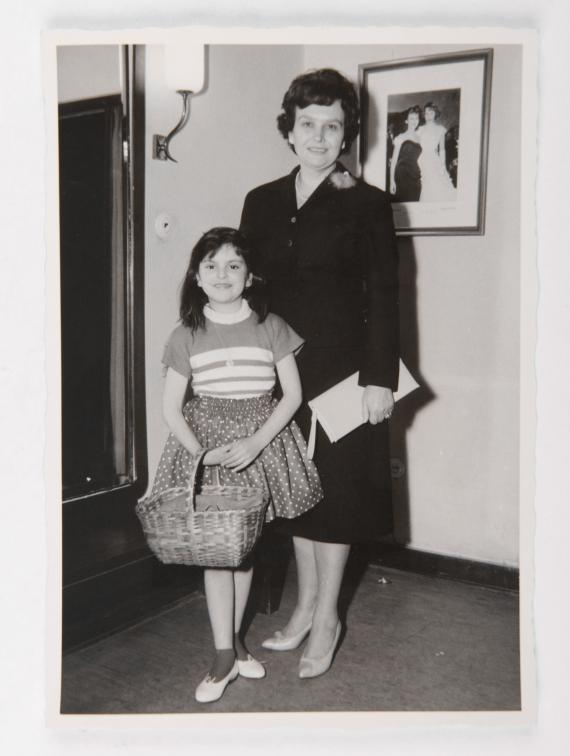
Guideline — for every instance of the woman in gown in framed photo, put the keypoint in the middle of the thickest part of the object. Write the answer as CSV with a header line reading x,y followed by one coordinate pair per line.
x,y
436,182
405,175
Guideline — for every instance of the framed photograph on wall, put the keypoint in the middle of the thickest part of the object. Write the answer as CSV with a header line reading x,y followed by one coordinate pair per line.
x,y
424,139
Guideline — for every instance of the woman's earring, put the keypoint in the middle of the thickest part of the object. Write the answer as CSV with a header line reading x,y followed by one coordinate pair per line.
x,y
343,145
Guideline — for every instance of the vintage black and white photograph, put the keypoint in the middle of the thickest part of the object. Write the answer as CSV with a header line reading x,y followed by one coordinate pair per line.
x,y
291,438
429,144
422,158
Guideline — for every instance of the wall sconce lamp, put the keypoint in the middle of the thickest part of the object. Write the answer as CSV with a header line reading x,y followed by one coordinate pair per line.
x,y
184,68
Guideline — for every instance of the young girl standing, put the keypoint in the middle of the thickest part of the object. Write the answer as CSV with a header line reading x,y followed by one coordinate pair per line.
x,y
229,349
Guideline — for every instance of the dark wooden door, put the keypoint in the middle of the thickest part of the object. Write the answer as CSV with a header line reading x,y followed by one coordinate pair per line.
x,y
110,578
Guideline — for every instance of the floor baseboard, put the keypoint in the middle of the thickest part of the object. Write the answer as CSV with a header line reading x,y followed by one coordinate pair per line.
x,y
113,600
108,603
397,556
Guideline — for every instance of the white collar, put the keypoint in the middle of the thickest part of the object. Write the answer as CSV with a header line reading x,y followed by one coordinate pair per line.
x,y
228,317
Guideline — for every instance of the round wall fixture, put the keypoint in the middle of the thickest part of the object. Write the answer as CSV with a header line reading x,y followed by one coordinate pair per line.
x,y
163,225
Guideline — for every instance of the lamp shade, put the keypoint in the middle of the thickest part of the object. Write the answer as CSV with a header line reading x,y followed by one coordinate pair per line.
x,y
184,66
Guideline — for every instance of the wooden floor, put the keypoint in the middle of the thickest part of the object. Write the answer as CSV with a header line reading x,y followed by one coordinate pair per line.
x,y
411,643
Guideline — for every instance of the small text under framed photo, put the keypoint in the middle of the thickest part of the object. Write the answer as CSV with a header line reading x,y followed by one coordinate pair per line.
x,y
424,139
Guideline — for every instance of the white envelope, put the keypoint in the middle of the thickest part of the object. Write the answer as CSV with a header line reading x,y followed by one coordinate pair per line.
x,y
339,409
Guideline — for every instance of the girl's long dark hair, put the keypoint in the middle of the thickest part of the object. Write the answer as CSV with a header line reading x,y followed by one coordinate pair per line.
x,y
193,298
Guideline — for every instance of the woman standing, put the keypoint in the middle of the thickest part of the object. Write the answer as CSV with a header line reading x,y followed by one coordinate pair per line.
x,y
327,248
436,182
405,177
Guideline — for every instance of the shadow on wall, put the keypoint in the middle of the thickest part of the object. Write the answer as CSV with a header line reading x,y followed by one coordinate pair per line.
x,y
411,405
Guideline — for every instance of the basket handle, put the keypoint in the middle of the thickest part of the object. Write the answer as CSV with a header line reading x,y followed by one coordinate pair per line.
x,y
198,463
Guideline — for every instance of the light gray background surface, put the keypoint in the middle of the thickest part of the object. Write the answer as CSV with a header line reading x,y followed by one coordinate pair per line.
x,y
22,302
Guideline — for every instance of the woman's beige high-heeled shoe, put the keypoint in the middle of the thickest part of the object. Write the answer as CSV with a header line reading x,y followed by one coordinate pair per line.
x,y
315,667
280,642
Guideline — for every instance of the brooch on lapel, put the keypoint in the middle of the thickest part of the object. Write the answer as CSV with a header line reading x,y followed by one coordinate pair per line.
x,y
343,180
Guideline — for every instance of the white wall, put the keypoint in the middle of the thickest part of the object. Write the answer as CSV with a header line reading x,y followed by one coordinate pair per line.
x,y
87,71
460,330
460,295
230,145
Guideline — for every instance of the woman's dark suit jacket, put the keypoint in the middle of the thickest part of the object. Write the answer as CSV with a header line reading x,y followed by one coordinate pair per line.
x,y
332,270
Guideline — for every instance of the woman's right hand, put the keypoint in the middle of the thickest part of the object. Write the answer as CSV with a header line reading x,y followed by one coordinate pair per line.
x,y
216,456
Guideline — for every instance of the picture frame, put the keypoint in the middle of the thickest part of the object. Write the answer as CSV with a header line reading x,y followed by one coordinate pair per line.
x,y
434,169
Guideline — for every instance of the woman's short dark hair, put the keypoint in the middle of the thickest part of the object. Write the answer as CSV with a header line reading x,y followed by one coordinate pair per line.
x,y
192,296
432,106
321,87
414,109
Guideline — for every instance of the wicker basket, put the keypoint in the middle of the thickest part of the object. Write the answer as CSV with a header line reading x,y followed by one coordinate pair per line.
x,y
217,527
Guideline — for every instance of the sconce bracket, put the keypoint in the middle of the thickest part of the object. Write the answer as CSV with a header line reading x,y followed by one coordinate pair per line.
x,y
159,147
161,144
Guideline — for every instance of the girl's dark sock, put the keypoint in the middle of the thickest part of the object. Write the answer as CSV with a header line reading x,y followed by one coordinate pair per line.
x,y
223,663
241,650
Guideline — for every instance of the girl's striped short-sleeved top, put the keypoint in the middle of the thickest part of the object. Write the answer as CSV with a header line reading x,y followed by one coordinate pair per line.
x,y
233,360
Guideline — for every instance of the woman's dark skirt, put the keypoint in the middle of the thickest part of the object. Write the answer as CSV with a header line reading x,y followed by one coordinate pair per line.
x,y
355,475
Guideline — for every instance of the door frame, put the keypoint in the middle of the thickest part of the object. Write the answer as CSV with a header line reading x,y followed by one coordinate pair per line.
x,y
110,579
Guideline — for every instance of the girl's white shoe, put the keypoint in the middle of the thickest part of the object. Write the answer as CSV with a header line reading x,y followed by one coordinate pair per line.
x,y
251,668
211,690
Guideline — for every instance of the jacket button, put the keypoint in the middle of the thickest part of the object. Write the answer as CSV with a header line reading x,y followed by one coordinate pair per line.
x,y
289,242
293,219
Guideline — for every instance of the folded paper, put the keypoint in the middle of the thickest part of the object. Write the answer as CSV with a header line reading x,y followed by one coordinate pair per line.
x,y
339,409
